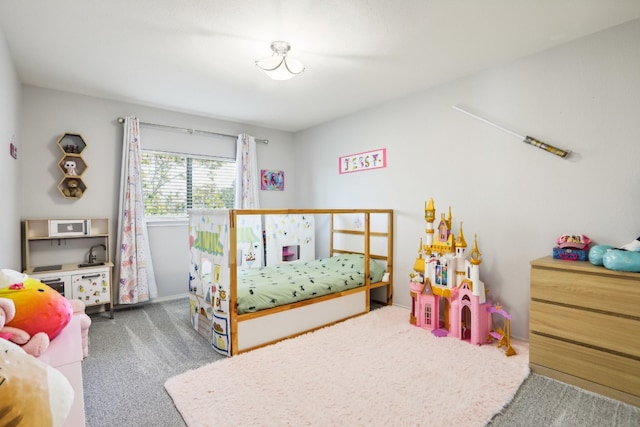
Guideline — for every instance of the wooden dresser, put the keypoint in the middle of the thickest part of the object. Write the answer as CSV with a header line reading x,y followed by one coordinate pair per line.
x,y
585,327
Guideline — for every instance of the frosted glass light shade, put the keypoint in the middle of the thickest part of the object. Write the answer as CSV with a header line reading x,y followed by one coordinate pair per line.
x,y
279,66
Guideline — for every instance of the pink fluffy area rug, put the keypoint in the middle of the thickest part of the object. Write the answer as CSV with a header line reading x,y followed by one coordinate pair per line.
x,y
372,370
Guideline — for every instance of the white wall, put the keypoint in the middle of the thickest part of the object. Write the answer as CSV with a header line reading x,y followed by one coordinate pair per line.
x,y
9,167
47,114
584,96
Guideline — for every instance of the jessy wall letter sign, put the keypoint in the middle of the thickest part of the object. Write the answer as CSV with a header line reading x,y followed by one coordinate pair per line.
x,y
363,161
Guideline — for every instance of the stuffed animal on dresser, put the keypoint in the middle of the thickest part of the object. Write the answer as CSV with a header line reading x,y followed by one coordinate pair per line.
x,y
623,258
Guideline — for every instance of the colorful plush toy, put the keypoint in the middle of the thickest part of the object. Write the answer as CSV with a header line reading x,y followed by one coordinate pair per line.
x,y
39,308
624,258
31,392
34,345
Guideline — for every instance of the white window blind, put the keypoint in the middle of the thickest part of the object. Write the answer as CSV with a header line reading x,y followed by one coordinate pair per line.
x,y
175,182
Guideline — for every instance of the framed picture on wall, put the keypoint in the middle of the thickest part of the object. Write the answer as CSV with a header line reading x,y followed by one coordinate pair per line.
x,y
272,180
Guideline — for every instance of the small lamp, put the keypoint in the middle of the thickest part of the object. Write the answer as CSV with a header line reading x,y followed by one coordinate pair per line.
x,y
278,66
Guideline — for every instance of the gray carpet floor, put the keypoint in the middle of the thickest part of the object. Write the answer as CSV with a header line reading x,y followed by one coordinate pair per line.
x,y
130,358
132,355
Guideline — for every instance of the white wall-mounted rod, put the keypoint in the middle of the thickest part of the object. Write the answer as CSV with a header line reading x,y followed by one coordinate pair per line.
x,y
526,139
205,132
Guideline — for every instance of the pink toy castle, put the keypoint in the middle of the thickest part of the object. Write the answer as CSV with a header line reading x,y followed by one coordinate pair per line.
x,y
447,295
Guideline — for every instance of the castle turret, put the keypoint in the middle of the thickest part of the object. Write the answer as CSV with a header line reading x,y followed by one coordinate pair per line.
x,y
475,253
444,242
476,260
430,217
461,247
461,244
419,265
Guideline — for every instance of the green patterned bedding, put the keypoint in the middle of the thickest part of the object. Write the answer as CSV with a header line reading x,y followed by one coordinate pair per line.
x,y
269,287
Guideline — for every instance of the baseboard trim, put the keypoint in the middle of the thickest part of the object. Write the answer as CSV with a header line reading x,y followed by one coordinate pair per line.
x,y
121,307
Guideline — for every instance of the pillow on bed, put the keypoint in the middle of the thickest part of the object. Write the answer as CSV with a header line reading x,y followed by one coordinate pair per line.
x,y
376,271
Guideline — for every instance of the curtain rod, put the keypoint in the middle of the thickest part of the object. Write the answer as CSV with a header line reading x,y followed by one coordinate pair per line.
x,y
207,132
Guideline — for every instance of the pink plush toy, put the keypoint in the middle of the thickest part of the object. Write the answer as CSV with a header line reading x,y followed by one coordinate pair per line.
x,y
34,345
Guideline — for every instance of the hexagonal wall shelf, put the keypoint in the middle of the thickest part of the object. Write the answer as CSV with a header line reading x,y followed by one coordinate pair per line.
x,y
72,187
71,143
72,165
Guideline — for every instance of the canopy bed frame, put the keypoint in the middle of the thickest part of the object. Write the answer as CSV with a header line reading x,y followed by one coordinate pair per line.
x,y
231,249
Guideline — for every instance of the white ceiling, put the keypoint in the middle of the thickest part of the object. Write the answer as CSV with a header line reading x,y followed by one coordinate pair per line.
x,y
197,56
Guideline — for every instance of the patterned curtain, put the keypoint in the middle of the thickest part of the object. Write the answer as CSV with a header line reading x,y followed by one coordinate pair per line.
x,y
133,259
247,176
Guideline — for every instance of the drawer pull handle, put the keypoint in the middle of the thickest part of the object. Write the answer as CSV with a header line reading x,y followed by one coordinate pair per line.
x,y
91,276
47,281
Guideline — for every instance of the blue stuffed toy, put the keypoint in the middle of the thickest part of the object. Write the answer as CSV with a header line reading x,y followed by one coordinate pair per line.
x,y
624,258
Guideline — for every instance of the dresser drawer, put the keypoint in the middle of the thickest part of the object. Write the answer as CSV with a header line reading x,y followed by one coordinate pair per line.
x,y
607,369
589,289
590,328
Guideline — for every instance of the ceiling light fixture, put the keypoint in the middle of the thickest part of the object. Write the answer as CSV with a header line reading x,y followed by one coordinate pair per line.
x,y
278,66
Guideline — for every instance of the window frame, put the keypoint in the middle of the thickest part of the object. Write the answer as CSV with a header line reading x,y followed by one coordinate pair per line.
x,y
179,220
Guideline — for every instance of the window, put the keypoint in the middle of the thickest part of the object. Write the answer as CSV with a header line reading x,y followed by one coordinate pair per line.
x,y
427,315
175,182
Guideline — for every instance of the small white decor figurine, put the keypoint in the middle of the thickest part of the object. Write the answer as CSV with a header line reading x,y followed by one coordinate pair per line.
x,y
70,167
